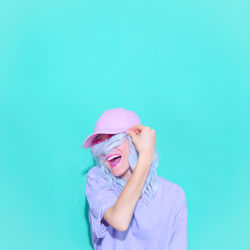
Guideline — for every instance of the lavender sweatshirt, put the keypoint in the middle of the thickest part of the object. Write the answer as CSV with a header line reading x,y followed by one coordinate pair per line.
x,y
159,225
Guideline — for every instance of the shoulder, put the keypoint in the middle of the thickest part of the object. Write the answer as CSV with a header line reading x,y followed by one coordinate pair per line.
x,y
94,176
97,179
169,184
97,174
93,172
171,189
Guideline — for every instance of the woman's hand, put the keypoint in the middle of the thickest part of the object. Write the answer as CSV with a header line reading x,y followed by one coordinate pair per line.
x,y
144,139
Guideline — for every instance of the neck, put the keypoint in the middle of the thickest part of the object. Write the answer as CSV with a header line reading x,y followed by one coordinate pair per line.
x,y
127,175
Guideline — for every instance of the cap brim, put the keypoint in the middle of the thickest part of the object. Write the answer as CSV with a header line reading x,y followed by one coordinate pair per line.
x,y
88,141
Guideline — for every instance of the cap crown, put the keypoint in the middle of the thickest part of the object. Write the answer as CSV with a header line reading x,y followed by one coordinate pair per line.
x,y
113,121
116,119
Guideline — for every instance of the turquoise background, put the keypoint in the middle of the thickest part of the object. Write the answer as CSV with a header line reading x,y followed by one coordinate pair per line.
x,y
182,66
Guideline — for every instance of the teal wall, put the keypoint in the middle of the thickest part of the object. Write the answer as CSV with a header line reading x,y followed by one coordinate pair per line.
x,y
182,66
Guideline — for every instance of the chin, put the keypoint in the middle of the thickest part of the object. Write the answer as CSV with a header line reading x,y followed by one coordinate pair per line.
x,y
117,173
120,172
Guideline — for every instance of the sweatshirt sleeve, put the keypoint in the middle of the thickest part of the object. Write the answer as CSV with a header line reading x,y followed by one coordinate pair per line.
x,y
178,239
100,196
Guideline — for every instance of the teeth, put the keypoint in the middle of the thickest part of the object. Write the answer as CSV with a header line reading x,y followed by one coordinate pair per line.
x,y
112,157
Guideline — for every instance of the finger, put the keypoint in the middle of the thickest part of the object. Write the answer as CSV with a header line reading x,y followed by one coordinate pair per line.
x,y
137,127
131,133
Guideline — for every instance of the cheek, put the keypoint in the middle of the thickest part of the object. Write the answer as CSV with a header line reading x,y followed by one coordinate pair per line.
x,y
124,148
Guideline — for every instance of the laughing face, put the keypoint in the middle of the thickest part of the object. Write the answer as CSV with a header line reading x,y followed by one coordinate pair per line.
x,y
117,159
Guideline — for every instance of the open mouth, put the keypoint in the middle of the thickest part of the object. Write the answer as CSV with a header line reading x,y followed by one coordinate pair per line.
x,y
114,160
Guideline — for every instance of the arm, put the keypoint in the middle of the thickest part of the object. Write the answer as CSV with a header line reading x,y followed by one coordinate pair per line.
x,y
120,214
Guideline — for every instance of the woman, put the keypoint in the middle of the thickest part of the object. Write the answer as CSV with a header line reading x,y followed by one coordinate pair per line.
x,y
130,207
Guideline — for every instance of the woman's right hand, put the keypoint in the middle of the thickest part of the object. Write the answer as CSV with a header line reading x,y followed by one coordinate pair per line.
x,y
144,139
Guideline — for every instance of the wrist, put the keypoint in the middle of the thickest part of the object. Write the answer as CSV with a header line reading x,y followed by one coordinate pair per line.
x,y
146,158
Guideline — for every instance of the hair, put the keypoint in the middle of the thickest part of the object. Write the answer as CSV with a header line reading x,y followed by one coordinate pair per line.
x,y
101,150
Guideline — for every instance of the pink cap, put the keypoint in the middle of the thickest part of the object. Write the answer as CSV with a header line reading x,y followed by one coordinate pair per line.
x,y
113,121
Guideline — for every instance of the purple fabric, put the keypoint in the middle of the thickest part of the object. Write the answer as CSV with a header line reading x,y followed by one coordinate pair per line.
x,y
160,224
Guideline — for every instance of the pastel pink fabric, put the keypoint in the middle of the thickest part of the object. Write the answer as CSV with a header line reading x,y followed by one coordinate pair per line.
x,y
113,121
160,224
